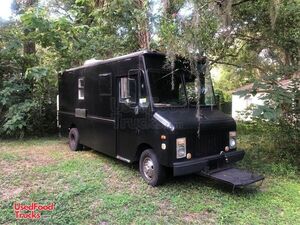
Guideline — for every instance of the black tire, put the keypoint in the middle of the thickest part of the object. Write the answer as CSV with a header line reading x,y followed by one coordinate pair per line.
x,y
74,140
156,173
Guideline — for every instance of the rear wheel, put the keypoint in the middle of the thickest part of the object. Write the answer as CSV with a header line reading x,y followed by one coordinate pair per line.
x,y
152,172
74,140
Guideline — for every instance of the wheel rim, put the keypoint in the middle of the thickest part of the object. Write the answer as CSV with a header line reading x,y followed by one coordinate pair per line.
x,y
72,137
148,168
72,140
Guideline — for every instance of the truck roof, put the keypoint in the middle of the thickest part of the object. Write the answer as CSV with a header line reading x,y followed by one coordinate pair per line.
x,y
98,62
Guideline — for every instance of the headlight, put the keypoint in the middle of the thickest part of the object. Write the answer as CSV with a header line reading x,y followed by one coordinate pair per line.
x,y
180,148
232,139
232,143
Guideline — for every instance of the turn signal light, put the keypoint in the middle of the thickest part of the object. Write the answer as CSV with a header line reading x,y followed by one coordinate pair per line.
x,y
163,137
189,156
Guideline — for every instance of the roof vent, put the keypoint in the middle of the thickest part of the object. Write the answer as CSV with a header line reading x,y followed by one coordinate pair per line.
x,y
91,61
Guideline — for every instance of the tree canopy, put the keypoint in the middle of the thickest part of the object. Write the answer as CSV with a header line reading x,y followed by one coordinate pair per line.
x,y
249,41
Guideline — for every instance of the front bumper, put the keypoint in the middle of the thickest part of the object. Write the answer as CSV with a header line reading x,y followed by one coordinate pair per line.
x,y
196,165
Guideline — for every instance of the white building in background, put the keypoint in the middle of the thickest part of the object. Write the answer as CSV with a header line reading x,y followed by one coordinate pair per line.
x,y
242,102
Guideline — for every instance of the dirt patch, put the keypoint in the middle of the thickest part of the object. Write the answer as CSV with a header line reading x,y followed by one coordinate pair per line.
x,y
34,156
10,193
25,163
111,178
165,208
120,181
7,167
33,160
203,217
17,171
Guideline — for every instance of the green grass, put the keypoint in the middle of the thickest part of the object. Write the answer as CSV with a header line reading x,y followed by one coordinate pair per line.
x,y
90,188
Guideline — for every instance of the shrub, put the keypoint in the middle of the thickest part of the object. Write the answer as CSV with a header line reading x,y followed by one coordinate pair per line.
x,y
271,142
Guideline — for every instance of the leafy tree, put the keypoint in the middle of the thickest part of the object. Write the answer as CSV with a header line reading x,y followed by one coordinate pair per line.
x,y
80,30
249,40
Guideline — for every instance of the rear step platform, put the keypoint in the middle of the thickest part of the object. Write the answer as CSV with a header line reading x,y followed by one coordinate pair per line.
x,y
234,176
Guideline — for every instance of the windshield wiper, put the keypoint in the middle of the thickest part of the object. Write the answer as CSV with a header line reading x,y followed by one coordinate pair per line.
x,y
168,74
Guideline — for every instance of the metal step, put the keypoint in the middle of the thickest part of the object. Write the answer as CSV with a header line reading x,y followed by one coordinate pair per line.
x,y
234,176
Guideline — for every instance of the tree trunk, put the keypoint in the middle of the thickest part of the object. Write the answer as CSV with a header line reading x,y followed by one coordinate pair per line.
x,y
28,45
99,3
143,33
143,37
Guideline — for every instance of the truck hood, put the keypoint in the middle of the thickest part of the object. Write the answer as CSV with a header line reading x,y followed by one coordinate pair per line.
x,y
185,118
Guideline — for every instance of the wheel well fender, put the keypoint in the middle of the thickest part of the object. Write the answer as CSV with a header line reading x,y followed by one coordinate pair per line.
x,y
141,147
72,126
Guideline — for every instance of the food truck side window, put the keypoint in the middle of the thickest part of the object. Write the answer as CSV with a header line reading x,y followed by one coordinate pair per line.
x,y
81,88
105,84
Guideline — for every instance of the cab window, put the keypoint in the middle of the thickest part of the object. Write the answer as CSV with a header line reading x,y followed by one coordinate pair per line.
x,y
128,90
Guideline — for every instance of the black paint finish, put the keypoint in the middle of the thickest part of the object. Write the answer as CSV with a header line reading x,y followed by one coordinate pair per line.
x,y
124,130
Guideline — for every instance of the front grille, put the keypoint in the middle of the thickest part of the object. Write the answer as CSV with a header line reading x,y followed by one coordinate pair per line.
x,y
208,143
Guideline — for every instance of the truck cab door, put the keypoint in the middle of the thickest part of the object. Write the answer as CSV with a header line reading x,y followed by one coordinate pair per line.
x,y
129,114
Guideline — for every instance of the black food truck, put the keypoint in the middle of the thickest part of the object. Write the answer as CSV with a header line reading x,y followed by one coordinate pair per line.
x,y
136,108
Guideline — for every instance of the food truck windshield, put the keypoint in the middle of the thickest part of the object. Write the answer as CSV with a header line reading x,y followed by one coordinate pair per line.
x,y
177,88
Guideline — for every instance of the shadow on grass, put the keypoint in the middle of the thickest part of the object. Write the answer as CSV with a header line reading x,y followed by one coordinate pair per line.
x,y
183,182
195,179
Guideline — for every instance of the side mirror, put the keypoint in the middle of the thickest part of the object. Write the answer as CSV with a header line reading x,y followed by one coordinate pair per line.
x,y
136,110
128,91
132,97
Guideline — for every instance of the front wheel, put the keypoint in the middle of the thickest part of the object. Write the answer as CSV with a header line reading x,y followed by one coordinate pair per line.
x,y
152,172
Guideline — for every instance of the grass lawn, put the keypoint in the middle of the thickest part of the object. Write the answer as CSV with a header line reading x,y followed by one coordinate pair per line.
x,y
90,188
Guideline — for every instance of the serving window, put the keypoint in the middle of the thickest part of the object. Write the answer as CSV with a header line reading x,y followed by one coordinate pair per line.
x,y
105,84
